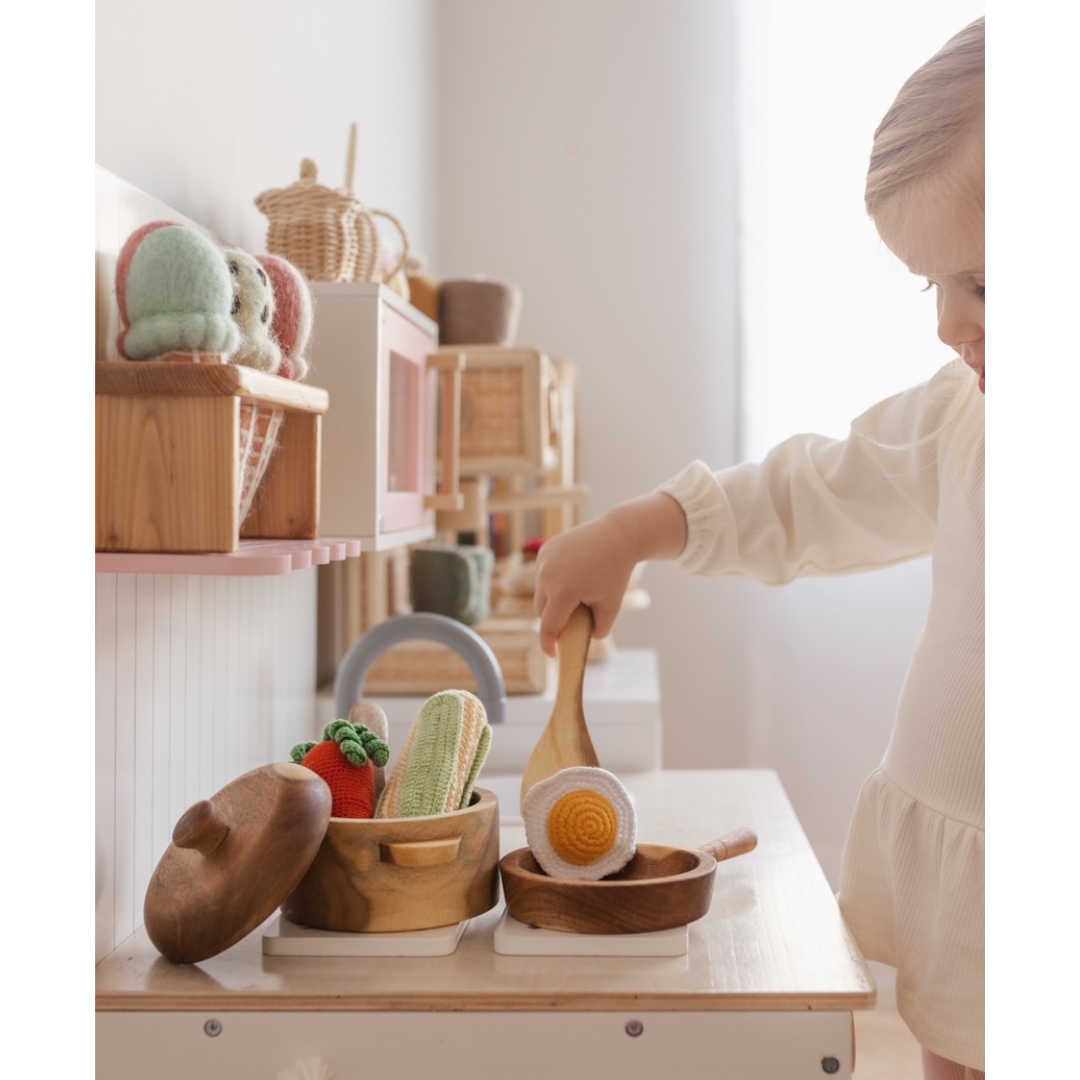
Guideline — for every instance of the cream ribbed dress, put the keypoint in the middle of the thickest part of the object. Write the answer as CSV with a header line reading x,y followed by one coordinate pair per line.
x,y
907,482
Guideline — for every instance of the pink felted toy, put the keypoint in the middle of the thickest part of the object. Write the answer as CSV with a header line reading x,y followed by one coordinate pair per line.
x,y
293,314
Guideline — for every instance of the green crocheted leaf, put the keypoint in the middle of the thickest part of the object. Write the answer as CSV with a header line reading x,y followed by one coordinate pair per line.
x,y
337,729
300,751
354,751
377,750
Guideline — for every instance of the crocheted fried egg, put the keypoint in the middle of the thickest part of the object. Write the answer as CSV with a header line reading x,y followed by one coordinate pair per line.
x,y
580,823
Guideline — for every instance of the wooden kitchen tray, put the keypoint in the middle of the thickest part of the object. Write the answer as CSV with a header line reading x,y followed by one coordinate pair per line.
x,y
168,439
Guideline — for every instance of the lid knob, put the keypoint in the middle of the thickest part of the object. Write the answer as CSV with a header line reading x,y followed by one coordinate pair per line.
x,y
202,828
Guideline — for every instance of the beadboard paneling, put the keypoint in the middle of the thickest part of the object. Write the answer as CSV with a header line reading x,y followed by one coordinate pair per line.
x,y
199,679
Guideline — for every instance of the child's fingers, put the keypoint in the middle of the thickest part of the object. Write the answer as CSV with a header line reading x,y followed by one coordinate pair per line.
x,y
554,616
604,616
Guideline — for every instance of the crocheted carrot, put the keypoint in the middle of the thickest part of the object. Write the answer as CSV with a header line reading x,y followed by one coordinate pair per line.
x,y
346,759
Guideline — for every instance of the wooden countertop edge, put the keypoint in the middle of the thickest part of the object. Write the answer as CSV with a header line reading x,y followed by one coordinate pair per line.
x,y
494,1002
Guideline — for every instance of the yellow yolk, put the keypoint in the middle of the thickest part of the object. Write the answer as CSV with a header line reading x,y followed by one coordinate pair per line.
x,y
582,826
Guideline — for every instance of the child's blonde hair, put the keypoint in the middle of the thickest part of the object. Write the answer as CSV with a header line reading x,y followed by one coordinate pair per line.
x,y
934,129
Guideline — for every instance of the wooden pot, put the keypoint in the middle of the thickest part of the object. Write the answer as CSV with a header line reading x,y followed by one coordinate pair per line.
x,y
389,874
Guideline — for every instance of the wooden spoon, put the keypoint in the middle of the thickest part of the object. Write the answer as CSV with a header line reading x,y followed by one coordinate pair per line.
x,y
565,742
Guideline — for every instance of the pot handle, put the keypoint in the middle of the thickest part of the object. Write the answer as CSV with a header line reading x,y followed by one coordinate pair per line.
x,y
466,642
731,844
421,852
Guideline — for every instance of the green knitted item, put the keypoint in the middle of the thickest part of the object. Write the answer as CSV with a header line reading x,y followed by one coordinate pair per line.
x,y
299,751
441,761
434,759
478,763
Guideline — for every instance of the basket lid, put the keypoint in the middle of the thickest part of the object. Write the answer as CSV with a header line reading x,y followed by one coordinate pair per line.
x,y
233,860
307,195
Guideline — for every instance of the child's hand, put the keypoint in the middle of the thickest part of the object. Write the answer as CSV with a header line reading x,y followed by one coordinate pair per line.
x,y
582,566
592,564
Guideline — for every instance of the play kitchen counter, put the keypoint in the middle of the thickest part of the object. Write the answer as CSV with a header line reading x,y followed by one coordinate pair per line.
x,y
765,989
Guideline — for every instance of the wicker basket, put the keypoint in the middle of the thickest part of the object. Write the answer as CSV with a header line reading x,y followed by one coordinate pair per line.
x,y
327,232
258,436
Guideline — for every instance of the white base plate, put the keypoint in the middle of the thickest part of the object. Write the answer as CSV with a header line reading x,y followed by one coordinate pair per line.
x,y
285,938
513,938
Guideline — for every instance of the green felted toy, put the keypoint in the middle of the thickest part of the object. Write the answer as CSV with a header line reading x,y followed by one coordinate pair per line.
x,y
346,759
175,294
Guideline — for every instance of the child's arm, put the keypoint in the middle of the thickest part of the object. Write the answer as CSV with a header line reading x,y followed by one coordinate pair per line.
x,y
592,563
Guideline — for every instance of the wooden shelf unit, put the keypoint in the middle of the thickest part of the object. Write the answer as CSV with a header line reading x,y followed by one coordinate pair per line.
x,y
166,453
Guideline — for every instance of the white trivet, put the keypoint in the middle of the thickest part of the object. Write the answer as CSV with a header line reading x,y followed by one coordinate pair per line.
x,y
285,938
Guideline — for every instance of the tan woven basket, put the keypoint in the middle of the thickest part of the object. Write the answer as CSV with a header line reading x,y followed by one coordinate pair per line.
x,y
259,426
328,233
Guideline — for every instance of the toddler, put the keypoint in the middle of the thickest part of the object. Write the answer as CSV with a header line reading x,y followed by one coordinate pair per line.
x,y
907,482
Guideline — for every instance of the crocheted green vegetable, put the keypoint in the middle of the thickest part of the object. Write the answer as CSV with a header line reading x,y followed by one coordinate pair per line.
x,y
346,760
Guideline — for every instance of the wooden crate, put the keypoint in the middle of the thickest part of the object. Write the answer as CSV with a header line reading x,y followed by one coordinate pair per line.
x,y
168,437
417,668
506,411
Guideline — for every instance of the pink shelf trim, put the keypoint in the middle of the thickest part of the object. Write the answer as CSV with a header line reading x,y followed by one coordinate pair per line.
x,y
252,558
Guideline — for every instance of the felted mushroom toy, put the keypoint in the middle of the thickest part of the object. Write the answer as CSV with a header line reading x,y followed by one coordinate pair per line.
x,y
293,314
175,295
253,311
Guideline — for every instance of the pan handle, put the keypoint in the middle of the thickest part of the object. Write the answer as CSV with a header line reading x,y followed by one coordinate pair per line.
x,y
731,844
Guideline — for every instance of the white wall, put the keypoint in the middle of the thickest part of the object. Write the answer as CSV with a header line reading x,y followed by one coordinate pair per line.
x,y
206,104
585,155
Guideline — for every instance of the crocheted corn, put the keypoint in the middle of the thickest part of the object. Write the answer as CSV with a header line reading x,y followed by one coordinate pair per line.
x,y
439,766
580,824
175,294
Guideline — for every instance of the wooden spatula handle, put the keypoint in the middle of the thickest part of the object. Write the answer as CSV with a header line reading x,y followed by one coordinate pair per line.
x,y
565,742
574,654
731,844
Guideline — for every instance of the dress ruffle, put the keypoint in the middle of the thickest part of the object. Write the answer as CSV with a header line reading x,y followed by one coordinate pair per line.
x,y
912,892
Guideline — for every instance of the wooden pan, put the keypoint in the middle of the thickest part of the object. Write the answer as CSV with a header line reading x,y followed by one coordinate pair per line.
x,y
660,888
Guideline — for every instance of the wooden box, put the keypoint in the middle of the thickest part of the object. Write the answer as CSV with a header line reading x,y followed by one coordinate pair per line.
x,y
508,412
168,474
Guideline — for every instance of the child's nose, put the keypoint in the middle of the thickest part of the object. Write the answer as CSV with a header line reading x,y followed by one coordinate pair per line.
x,y
960,319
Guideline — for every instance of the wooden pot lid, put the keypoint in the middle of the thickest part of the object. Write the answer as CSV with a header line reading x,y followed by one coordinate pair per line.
x,y
233,859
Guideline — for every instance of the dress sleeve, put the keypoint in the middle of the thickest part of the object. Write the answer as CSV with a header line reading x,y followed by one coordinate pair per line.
x,y
826,506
